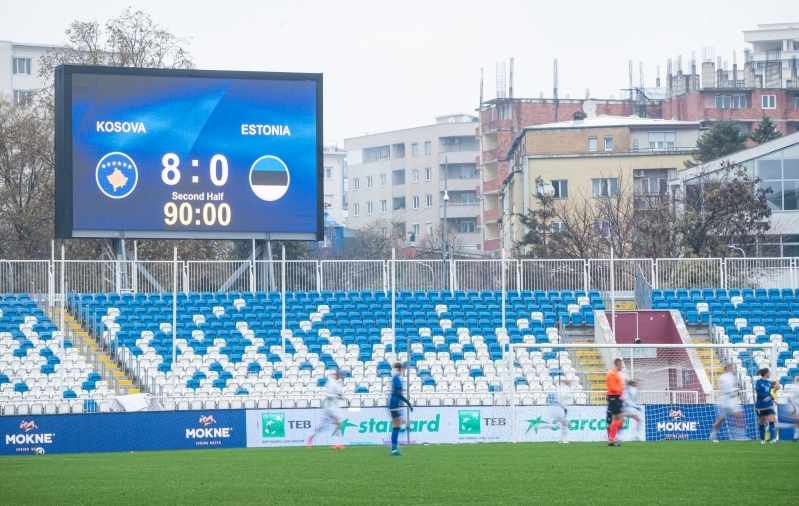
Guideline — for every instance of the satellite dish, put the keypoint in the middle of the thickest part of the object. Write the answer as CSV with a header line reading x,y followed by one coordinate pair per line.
x,y
589,107
451,119
466,119
546,190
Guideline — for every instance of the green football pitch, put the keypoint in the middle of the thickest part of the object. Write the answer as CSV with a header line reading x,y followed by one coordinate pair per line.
x,y
542,473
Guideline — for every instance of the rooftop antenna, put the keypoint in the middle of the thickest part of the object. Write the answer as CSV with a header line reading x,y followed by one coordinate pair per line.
x,y
587,93
510,81
555,91
630,88
679,63
501,79
734,58
693,58
481,86
641,75
657,75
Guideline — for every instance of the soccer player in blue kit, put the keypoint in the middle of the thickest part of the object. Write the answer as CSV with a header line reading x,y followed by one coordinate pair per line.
x,y
764,406
395,409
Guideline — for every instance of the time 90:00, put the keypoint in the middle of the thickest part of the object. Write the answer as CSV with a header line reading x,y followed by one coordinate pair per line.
x,y
211,214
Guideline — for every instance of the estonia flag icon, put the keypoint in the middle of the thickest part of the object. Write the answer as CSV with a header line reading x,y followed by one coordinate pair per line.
x,y
269,178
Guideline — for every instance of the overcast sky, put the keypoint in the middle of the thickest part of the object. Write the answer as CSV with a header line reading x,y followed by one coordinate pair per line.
x,y
392,65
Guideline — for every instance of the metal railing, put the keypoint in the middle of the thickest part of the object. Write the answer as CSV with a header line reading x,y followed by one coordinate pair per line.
x,y
428,274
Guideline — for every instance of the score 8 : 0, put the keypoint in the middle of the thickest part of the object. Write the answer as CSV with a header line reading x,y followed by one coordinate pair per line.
x,y
210,214
171,172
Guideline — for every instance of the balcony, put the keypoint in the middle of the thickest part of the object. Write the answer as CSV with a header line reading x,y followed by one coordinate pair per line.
x,y
459,184
457,157
460,210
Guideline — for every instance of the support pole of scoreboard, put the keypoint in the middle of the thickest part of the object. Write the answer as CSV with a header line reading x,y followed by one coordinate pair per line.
x,y
393,300
612,296
283,321
174,316
61,317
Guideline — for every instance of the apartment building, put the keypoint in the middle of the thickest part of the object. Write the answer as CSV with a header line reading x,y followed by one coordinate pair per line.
x,y
586,157
334,183
402,176
19,69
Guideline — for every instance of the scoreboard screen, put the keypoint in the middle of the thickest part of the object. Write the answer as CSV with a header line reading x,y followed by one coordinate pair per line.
x,y
188,154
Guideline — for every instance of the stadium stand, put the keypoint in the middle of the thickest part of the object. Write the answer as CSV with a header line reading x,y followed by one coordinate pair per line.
x,y
747,315
229,344
37,374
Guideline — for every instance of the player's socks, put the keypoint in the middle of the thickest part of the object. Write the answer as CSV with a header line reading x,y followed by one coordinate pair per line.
x,y
614,429
772,431
713,435
762,430
796,434
394,438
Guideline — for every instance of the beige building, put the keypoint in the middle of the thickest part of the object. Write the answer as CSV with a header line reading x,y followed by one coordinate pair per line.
x,y
586,156
401,176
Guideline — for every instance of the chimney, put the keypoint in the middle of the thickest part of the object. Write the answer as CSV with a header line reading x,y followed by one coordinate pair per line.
x,y
657,78
708,75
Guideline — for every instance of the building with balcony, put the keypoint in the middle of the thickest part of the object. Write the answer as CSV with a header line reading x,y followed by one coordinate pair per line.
x,y
402,176
586,157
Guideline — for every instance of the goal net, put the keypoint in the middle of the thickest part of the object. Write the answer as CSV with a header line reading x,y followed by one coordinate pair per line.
x,y
558,391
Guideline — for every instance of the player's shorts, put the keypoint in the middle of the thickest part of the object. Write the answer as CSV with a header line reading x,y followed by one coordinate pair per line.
x,y
561,413
765,412
614,404
631,410
333,414
727,407
395,412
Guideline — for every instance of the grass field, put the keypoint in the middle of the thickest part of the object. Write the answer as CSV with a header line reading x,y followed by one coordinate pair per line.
x,y
587,473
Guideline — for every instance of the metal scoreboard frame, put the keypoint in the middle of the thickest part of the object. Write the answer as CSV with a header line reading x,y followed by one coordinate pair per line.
x,y
64,182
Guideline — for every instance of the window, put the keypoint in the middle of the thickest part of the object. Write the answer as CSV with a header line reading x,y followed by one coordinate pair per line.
x,y
415,175
22,97
428,199
356,183
796,102
602,229
382,180
369,209
428,227
653,186
356,209
467,172
608,143
467,227
744,128
21,66
592,144
415,149
606,187
739,101
467,198
428,147
428,173
722,101
559,226
329,201
368,182
561,189
414,231
769,101
780,172
416,202
662,140
383,206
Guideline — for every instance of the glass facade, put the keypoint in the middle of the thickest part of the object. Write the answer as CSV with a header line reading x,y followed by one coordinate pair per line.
x,y
780,172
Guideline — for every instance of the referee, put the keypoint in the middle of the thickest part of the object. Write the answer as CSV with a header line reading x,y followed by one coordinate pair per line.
x,y
615,387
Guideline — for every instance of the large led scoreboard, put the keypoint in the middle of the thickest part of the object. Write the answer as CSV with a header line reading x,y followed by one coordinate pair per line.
x,y
157,153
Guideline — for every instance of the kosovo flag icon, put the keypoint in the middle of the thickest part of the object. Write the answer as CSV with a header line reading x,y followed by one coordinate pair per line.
x,y
269,178
116,175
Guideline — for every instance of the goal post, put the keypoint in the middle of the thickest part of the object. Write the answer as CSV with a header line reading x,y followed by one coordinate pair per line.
x,y
678,387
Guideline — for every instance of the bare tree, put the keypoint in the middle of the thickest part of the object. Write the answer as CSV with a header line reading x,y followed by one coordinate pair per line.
x,y
615,218
578,235
26,180
374,240
432,245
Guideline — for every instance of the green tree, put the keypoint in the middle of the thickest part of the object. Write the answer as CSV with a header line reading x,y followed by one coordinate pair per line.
x,y
765,131
724,138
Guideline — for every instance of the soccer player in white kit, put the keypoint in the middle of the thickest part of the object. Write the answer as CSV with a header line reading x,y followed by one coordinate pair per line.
x,y
631,409
792,389
332,413
562,396
728,404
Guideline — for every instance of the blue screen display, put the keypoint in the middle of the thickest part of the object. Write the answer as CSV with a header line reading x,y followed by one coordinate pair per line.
x,y
197,157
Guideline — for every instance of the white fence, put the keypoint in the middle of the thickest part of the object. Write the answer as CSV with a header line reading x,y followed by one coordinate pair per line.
x,y
42,276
